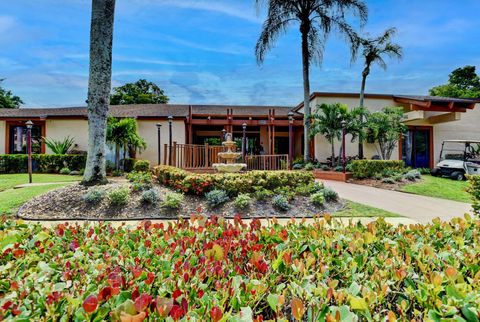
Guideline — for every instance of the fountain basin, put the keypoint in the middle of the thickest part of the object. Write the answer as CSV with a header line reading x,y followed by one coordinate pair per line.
x,y
229,167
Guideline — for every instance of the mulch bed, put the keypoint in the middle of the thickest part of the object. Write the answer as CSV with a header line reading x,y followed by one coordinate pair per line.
x,y
382,185
67,203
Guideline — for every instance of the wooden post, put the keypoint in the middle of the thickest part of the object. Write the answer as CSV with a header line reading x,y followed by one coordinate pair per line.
x,y
207,156
165,152
174,154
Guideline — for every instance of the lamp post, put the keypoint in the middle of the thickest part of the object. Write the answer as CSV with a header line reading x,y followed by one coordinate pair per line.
x,y
344,132
290,139
244,140
170,120
29,125
159,127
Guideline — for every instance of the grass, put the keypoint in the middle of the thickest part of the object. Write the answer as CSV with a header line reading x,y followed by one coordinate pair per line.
x,y
353,209
8,181
439,188
12,199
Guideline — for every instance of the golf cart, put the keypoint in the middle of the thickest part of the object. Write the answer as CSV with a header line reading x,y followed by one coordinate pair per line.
x,y
457,159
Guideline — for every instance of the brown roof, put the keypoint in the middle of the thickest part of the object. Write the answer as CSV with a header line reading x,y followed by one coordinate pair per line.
x,y
433,99
144,111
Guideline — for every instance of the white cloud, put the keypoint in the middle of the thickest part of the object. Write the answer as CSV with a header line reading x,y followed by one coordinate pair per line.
x,y
150,61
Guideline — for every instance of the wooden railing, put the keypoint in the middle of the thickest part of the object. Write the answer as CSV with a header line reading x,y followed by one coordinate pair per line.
x,y
193,156
267,162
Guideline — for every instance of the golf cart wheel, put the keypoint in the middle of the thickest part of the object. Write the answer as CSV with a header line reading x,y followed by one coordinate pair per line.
x,y
435,172
457,175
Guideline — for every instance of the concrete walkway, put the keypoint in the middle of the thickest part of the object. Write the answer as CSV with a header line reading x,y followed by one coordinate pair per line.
x,y
419,208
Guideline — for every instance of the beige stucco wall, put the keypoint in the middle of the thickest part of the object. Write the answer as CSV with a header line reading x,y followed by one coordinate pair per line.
x,y
322,146
3,133
148,131
60,129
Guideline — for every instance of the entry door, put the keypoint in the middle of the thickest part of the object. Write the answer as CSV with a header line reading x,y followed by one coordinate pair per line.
x,y
416,148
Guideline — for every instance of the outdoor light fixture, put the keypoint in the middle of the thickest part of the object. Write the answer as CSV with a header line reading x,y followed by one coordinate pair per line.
x,y
290,139
29,125
244,140
159,127
170,138
344,132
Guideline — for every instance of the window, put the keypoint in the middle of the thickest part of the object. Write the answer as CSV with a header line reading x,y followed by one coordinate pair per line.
x,y
17,137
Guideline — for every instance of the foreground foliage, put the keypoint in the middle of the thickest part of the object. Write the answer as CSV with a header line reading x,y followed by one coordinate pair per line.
x,y
474,190
217,270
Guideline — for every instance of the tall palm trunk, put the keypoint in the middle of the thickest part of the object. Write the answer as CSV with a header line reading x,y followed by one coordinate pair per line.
x,y
306,91
332,145
365,73
99,83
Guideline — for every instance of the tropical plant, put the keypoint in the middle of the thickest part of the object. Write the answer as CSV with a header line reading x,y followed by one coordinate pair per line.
x,y
385,129
462,83
317,18
317,199
94,196
140,92
150,196
327,121
216,198
373,52
99,85
242,201
7,99
173,200
118,197
59,146
122,133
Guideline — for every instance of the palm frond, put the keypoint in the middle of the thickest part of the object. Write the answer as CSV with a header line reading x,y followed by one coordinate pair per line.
x,y
59,146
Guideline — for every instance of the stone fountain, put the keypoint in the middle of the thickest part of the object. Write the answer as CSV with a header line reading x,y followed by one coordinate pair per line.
x,y
230,156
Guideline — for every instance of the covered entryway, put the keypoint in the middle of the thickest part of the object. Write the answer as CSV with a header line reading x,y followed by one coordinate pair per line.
x,y
417,147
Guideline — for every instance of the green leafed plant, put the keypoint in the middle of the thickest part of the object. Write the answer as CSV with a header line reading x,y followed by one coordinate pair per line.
x,y
59,146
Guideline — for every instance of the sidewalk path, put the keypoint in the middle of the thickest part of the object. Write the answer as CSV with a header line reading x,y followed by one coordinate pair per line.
x,y
419,208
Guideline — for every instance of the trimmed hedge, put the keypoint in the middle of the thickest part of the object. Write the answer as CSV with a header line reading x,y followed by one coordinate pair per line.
x,y
232,183
369,168
474,190
48,163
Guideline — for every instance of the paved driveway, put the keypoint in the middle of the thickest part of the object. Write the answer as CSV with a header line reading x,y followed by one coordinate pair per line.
x,y
419,208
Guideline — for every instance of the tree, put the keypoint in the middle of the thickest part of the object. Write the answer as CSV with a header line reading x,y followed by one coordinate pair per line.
x,y
99,84
140,92
373,52
327,121
7,99
317,18
122,133
385,129
462,83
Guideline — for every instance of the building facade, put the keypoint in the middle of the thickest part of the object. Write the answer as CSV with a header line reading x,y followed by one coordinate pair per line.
x,y
269,129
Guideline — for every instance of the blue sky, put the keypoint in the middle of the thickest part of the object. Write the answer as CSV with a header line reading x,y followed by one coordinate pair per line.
x,y
202,51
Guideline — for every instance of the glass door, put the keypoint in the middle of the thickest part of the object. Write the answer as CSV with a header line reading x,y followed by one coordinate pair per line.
x,y
416,149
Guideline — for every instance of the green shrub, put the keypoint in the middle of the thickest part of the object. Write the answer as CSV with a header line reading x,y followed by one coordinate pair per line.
x,y
317,186
378,176
304,190
109,166
141,181
141,166
325,167
424,170
318,199
65,170
338,168
280,202
369,168
242,201
415,173
232,183
409,176
285,191
474,190
173,200
117,173
42,163
298,166
388,180
330,195
150,197
349,167
128,164
398,177
309,166
118,197
216,197
262,194
59,146
94,196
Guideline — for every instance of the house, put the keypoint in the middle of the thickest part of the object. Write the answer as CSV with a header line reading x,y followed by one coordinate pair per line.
x,y
267,128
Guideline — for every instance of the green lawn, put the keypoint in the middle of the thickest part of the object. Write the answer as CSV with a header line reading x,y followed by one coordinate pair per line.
x,y
8,181
440,188
11,199
353,209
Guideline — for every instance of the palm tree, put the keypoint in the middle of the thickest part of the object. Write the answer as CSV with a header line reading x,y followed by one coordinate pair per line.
x,y
99,85
122,133
373,51
317,18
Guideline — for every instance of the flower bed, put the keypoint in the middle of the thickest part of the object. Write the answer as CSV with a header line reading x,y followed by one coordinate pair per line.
x,y
214,270
233,183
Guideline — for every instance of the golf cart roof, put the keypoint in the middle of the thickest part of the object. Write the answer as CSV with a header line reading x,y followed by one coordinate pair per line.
x,y
462,141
